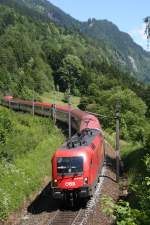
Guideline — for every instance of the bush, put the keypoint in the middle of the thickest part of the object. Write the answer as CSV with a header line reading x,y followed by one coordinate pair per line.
x,y
6,125
25,157
133,109
147,142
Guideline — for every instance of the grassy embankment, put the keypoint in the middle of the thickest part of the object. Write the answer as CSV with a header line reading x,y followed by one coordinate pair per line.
x,y
58,98
132,156
26,146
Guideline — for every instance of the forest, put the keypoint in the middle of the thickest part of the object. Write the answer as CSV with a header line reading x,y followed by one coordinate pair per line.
x,y
39,56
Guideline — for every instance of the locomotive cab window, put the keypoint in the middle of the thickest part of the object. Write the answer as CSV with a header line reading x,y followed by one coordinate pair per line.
x,y
69,166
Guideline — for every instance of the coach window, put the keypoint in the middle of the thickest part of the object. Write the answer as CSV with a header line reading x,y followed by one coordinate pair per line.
x,y
91,163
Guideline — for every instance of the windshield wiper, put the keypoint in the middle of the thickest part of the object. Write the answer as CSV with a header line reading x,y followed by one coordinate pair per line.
x,y
75,173
61,167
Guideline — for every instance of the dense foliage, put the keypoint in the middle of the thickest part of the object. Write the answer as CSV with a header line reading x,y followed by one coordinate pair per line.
x,y
22,62
26,146
33,53
115,45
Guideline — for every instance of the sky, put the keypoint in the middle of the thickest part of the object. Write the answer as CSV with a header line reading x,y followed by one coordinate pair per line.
x,y
128,15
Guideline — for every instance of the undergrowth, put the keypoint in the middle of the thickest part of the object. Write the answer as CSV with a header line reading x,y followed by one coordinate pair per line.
x,y
25,158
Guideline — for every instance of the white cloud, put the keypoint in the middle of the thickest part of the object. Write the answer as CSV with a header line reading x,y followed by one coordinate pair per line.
x,y
139,36
139,32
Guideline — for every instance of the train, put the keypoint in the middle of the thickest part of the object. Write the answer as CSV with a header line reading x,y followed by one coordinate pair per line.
x,y
77,164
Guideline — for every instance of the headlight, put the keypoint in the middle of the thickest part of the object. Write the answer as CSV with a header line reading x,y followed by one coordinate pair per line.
x,y
85,180
55,183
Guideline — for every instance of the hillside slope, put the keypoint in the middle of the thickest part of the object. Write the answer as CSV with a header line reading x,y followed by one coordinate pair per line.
x,y
26,147
125,50
42,10
119,46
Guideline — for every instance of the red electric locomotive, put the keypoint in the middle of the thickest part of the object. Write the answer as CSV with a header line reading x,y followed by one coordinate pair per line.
x,y
76,166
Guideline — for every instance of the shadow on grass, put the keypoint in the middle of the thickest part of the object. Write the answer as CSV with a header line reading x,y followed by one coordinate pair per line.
x,y
134,161
136,170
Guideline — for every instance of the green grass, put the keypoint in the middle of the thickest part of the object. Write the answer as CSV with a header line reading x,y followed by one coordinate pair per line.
x,y
132,155
31,144
110,138
58,97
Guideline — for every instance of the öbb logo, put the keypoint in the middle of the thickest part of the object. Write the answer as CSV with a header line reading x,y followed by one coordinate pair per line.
x,y
70,184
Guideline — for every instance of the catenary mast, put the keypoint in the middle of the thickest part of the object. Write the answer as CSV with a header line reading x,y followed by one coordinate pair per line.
x,y
147,29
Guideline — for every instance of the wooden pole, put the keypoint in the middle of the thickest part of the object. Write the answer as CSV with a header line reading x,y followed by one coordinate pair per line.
x,y
69,105
117,117
33,104
54,108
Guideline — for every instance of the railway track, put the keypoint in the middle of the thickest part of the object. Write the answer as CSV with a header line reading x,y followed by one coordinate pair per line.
x,y
66,217
78,216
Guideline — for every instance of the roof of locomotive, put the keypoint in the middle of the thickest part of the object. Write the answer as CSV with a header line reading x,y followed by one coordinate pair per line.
x,y
81,139
82,151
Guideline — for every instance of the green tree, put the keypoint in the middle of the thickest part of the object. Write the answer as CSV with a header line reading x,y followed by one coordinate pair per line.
x,y
69,74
